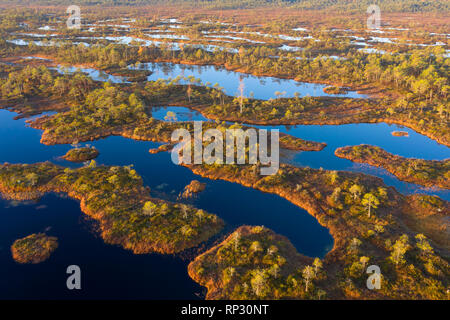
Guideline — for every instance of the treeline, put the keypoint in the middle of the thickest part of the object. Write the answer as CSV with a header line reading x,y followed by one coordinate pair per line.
x,y
336,5
30,82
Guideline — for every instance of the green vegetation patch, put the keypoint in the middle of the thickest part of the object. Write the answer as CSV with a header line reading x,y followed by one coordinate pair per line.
x,y
255,263
335,90
81,154
192,189
35,248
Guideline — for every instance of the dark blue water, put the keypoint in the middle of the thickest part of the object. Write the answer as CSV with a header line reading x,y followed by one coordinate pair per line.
x,y
167,180
109,271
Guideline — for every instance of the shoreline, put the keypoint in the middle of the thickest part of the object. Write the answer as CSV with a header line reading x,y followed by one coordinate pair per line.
x,y
113,227
394,164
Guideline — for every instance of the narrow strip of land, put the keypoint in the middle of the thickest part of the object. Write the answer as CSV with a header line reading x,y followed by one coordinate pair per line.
x,y
428,173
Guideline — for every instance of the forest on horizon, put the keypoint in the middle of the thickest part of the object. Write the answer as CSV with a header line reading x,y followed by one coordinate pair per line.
x,y
337,5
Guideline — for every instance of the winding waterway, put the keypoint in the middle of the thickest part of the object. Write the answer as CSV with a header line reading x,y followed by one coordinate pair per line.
x,y
110,271
102,262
